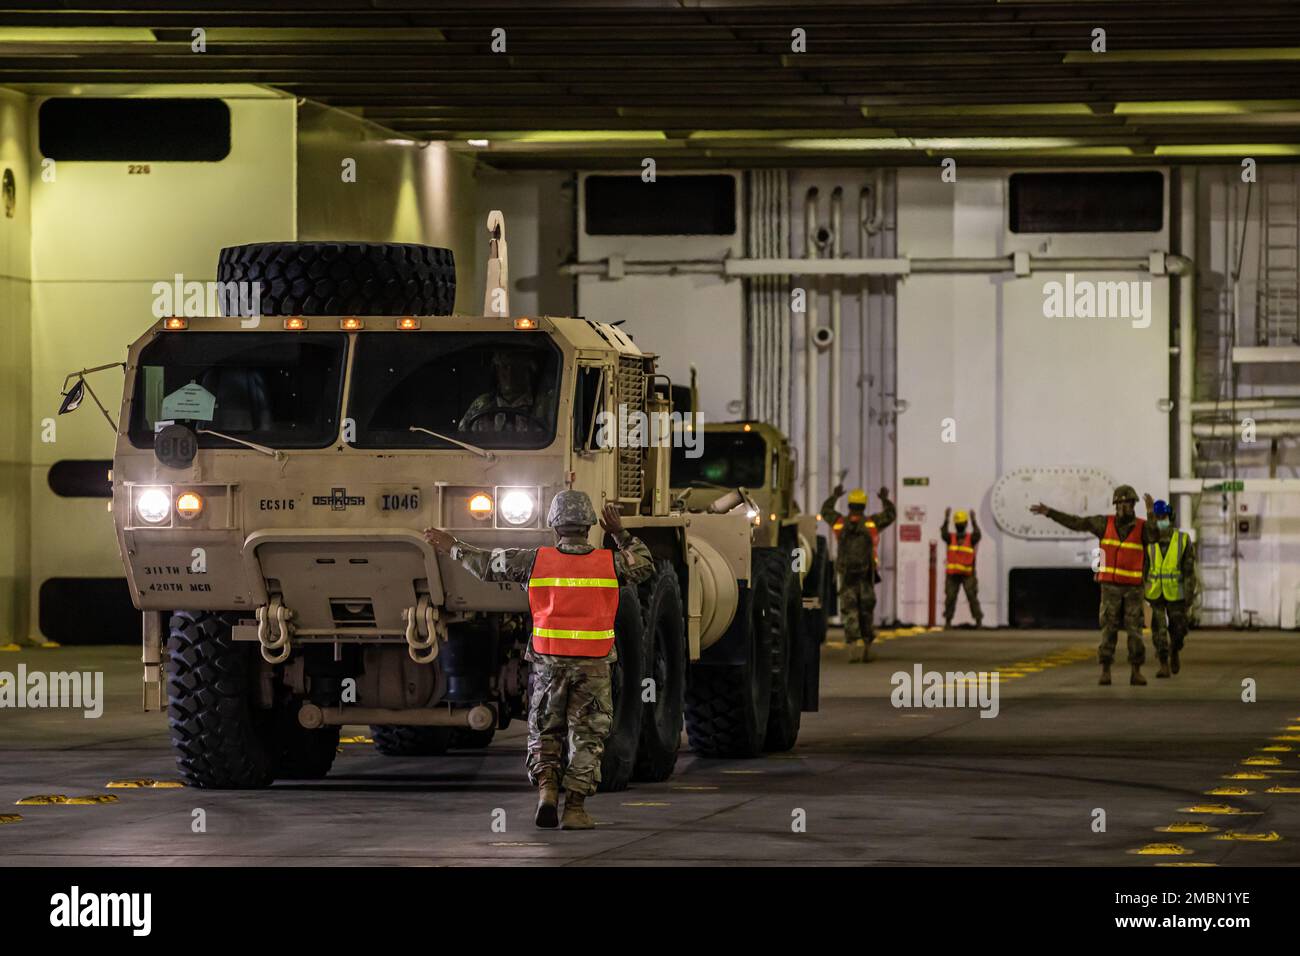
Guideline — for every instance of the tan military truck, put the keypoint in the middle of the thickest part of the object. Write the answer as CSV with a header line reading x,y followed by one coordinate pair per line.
x,y
272,477
750,464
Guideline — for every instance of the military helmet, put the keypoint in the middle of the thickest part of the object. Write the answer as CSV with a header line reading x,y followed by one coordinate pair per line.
x,y
857,497
571,508
1124,493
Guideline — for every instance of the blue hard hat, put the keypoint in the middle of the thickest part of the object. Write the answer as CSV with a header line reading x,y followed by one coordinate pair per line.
x,y
1162,508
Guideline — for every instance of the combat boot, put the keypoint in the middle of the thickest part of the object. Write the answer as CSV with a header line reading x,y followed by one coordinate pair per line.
x,y
1164,666
575,815
1104,681
1136,677
1174,662
548,795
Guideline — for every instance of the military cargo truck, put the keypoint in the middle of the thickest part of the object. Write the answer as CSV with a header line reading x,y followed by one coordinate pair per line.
x,y
272,477
750,464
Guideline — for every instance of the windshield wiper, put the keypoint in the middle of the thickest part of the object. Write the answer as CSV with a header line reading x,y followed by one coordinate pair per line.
x,y
274,453
456,441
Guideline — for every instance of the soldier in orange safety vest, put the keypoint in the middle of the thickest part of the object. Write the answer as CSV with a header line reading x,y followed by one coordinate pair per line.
x,y
1119,570
960,565
573,593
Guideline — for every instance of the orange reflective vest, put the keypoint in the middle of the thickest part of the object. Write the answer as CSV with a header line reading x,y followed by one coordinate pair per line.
x,y
1121,561
961,557
838,527
574,600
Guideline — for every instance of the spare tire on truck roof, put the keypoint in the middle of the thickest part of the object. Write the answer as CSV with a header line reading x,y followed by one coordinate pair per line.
x,y
344,278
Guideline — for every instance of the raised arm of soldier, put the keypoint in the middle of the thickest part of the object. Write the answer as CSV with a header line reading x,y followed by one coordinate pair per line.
x,y
943,530
1093,524
829,513
885,516
975,534
633,562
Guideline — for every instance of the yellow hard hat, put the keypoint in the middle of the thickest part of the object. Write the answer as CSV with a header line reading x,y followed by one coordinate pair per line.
x,y
960,517
857,497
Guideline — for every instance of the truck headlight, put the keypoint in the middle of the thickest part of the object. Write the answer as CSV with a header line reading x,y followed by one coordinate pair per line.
x,y
153,505
517,507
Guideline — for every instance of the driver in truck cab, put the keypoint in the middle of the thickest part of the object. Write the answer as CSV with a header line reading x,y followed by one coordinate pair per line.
x,y
573,591
514,404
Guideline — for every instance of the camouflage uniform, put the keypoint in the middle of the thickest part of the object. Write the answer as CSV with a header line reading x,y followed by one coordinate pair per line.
x,y
855,562
570,695
1121,604
1169,624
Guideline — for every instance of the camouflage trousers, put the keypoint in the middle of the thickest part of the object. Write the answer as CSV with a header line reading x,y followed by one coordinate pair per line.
x,y
961,582
569,717
1170,632
1121,604
858,609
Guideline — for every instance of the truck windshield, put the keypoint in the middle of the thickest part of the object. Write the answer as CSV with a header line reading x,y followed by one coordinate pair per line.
x,y
491,389
728,459
281,389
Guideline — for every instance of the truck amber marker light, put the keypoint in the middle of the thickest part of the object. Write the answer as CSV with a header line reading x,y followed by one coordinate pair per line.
x,y
189,504
295,324
525,323
176,324
408,323
351,324
480,506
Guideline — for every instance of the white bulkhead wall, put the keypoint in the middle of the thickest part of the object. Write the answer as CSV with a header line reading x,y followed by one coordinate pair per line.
x,y
1022,390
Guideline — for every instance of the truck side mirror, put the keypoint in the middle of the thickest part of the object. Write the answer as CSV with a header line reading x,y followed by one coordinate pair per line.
x,y
72,398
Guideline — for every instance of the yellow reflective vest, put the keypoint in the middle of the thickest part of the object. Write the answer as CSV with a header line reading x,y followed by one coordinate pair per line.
x,y
1164,575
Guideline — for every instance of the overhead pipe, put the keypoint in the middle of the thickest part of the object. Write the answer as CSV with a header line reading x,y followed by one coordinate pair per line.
x,y
1270,429
1242,404
810,354
899,266
873,224
836,346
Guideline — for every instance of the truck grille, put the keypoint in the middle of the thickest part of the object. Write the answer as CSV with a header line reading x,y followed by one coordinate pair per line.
x,y
630,388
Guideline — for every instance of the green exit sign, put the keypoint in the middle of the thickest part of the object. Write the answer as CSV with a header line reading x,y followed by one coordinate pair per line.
x,y
1238,485
914,482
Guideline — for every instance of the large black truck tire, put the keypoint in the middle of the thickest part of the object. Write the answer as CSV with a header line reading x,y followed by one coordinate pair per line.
x,y
728,705
785,611
344,278
664,622
221,739
619,757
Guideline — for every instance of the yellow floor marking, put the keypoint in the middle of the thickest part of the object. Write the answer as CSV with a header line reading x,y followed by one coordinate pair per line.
x,y
1261,762
1276,789
1228,792
141,783
91,800
1219,809
50,645
356,740
1187,863
1291,737
41,800
10,818
1292,729
645,803
518,844
1188,827
1275,748
1162,849
696,788
1245,776
10,647
1273,773
1240,837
